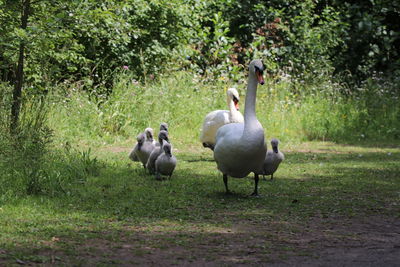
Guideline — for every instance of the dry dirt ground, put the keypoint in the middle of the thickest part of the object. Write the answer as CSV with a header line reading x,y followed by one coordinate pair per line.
x,y
370,241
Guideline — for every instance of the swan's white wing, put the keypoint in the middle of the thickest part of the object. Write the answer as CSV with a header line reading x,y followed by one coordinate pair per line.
x,y
212,122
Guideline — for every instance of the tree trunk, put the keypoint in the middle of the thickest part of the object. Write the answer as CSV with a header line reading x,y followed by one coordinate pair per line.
x,y
19,77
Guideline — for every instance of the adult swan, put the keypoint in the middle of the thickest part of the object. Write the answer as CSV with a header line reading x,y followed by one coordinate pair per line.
x,y
239,147
217,118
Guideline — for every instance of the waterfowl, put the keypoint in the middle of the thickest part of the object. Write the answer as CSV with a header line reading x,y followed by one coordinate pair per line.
x,y
149,132
239,147
166,162
148,135
272,159
145,147
164,126
217,118
150,165
140,140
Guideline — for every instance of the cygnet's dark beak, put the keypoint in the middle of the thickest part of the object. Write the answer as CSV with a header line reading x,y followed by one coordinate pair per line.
x,y
275,149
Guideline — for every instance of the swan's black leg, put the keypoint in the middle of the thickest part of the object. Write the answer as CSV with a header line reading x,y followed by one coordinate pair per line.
x,y
272,177
255,193
225,177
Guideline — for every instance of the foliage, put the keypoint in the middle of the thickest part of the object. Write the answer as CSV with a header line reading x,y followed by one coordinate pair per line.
x,y
90,40
372,39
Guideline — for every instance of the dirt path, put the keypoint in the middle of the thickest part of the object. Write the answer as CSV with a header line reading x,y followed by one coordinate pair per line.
x,y
372,241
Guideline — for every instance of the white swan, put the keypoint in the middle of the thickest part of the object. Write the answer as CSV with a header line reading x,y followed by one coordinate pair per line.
x,y
272,159
166,162
217,118
150,165
239,147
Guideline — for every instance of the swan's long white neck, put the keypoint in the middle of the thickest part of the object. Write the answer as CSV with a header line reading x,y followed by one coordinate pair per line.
x,y
233,112
231,104
250,120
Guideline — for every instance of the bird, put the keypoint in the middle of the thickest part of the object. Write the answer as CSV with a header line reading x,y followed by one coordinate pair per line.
x,y
140,140
148,135
239,147
150,165
217,118
144,149
272,159
149,132
164,126
166,162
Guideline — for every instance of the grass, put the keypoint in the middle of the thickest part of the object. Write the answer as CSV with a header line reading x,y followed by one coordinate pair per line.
x,y
122,208
80,201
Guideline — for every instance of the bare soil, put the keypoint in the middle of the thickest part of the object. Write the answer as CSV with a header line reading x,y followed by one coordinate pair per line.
x,y
369,241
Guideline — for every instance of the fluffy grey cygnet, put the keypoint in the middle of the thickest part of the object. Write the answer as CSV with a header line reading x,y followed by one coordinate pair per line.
x,y
150,165
166,162
272,159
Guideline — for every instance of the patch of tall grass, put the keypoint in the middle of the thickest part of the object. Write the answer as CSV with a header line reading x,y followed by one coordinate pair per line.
x,y
291,111
29,164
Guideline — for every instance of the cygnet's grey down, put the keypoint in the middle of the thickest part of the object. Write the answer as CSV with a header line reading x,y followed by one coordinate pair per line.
x,y
148,135
150,165
166,162
272,159
164,126
145,147
140,139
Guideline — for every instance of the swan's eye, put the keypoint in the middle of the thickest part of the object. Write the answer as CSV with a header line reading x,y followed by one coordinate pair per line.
x,y
235,99
259,70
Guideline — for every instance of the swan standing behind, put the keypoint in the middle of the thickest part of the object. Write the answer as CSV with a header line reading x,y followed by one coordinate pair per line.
x,y
150,165
239,147
166,162
272,159
217,118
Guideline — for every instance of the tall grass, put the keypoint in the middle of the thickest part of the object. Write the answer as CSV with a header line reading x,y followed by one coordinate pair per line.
x,y
292,112
29,164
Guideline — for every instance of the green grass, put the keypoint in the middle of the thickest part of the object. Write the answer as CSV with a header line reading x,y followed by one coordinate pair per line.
x,y
80,201
121,204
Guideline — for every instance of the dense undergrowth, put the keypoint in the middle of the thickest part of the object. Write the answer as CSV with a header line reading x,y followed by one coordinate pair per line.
x,y
52,152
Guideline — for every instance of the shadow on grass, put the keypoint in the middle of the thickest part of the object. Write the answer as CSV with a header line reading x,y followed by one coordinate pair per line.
x,y
194,209
196,190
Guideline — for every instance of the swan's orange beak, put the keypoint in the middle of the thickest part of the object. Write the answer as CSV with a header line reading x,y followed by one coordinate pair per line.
x,y
236,104
260,77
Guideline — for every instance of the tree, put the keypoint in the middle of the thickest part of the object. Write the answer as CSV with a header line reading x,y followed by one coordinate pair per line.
x,y
19,77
